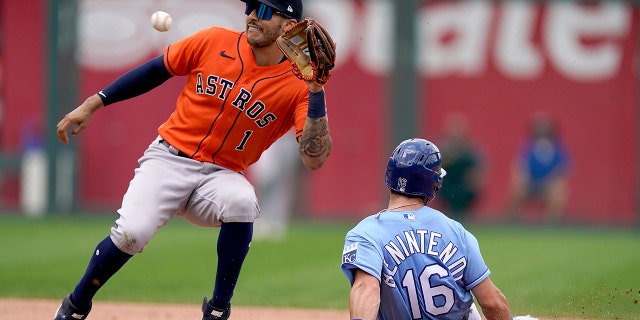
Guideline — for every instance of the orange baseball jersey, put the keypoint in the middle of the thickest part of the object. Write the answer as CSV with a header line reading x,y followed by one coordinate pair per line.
x,y
230,109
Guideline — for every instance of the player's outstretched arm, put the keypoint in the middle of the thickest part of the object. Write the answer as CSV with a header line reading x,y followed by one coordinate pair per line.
x,y
79,117
364,299
135,82
493,303
315,142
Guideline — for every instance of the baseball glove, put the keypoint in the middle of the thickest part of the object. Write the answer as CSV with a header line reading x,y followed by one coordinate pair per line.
x,y
310,49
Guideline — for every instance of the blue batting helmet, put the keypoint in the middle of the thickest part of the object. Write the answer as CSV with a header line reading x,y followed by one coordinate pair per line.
x,y
415,169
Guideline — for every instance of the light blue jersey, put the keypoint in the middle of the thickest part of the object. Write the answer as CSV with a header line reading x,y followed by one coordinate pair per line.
x,y
426,263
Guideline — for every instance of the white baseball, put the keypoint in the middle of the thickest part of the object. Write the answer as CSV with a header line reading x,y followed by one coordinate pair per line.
x,y
161,21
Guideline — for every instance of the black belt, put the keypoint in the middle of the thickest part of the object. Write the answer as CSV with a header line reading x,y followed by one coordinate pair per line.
x,y
180,153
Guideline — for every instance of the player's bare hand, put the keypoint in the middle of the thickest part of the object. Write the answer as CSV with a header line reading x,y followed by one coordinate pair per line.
x,y
79,117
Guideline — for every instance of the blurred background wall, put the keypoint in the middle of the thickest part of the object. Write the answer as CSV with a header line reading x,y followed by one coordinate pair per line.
x,y
497,64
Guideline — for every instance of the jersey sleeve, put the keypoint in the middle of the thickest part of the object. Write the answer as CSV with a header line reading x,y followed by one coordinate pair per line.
x,y
180,56
360,253
477,270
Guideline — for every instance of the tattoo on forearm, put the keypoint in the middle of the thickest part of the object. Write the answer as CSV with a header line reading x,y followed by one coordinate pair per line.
x,y
315,140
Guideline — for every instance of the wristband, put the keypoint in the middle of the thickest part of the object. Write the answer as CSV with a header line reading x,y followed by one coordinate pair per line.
x,y
316,108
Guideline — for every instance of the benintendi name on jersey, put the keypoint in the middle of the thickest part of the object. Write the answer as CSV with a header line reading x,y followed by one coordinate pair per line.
x,y
422,242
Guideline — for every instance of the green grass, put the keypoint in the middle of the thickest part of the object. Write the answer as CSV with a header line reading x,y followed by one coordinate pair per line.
x,y
567,272
572,272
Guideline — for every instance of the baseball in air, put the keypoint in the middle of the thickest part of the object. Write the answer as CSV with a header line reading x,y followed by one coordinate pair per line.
x,y
161,21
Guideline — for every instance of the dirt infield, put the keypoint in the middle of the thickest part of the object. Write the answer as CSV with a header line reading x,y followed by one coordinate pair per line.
x,y
22,309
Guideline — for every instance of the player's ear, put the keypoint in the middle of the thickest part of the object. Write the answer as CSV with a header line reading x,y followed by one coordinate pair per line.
x,y
288,25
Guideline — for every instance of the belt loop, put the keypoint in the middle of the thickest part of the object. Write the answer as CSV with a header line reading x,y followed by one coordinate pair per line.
x,y
173,150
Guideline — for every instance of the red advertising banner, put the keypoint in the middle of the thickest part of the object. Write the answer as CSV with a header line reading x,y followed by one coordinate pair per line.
x,y
498,64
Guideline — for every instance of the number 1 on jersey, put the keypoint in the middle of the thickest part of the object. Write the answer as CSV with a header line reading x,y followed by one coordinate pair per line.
x,y
245,138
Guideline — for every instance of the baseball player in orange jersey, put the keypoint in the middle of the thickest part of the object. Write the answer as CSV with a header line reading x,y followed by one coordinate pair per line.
x,y
240,96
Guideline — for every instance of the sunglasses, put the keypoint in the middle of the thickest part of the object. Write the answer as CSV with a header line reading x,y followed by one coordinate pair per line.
x,y
263,11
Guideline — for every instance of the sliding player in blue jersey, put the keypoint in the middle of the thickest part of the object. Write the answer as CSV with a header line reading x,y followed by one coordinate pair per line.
x,y
410,261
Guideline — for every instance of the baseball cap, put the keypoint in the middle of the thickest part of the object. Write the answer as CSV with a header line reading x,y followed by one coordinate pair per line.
x,y
289,8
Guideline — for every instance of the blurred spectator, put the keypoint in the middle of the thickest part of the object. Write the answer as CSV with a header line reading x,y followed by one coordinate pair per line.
x,y
462,161
540,171
33,168
275,176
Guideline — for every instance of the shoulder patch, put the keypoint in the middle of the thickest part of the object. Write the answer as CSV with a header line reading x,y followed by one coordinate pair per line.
x,y
349,253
